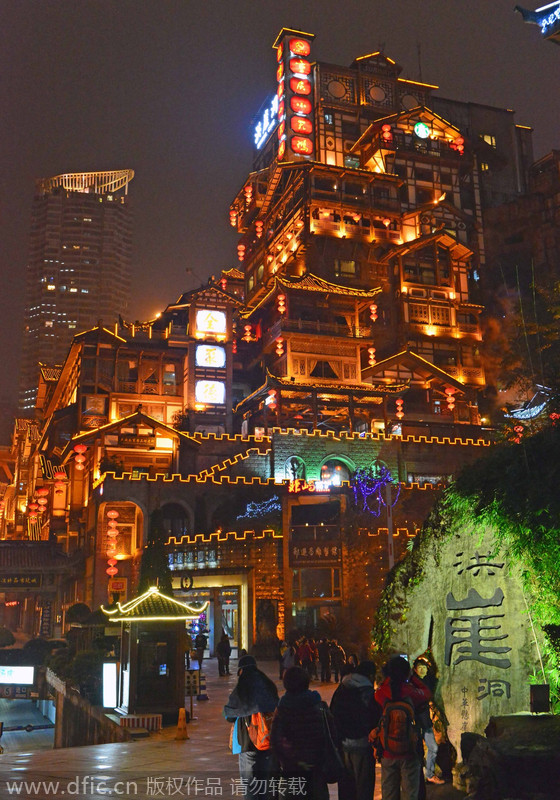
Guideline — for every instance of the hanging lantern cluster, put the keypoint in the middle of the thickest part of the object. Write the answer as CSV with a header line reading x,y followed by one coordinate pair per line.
x,y
223,284
233,217
241,252
112,533
280,346
259,228
271,403
42,498
399,402
281,304
59,481
450,398
248,194
371,356
248,335
386,221
518,429
373,312
79,458
458,144
386,133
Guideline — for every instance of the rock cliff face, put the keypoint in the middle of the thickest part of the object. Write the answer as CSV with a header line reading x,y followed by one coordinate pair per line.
x,y
469,609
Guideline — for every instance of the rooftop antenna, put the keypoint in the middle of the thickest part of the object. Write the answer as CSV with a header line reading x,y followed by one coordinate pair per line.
x,y
419,51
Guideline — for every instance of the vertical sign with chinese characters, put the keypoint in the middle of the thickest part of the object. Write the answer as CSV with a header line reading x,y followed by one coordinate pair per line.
x,y
294,74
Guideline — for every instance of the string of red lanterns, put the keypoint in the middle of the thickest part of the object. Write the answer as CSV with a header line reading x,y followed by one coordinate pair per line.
x,y
399,402
112,533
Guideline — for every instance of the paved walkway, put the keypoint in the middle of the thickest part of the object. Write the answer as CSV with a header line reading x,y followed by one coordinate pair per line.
x,y
157,767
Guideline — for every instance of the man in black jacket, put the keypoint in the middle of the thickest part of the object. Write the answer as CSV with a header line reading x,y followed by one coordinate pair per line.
x,y
356,713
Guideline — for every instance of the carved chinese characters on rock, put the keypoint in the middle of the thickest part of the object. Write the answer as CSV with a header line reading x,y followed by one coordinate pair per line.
x,y
476,628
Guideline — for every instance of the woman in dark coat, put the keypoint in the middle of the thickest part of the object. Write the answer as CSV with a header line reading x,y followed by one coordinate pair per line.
x,y
297,736
254,693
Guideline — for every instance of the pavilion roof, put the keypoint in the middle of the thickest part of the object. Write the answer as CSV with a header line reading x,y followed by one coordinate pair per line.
x,y
153,606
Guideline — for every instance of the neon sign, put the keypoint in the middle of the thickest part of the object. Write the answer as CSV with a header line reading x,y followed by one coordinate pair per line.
x,y
208,355
294,92
300,485
267,122
550,19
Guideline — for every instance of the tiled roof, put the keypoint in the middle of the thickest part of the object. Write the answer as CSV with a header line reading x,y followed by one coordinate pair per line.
x,y
24,555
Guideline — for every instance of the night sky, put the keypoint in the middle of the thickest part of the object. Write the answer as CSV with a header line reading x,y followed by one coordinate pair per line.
x,y
169,88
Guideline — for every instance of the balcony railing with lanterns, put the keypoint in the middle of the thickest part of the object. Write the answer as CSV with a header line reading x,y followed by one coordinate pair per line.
x,y
284,325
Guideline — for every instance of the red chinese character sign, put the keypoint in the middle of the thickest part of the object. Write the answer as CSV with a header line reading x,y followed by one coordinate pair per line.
x,y
295,95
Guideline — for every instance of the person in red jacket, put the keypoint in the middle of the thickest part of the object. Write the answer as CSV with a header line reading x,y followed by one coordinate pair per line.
x,y
400,774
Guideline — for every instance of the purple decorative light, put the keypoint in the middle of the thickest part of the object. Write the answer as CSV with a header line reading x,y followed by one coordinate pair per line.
x,y
368,486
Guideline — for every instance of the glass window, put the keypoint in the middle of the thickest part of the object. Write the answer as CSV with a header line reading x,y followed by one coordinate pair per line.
x,y
344,267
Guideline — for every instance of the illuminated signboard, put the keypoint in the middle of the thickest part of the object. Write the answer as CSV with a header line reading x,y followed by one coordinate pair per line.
x,y
549,19
421,130
294,93
210,392
22,676
212,356
210,321
268,120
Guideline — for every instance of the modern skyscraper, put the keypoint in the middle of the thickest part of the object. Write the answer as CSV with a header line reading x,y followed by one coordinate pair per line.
x,y
79,265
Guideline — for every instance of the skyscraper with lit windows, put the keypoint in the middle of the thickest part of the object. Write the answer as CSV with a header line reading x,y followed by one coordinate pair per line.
x,y
79,265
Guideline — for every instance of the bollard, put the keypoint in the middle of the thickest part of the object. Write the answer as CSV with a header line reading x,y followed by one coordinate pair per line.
x,y
202,687
182,732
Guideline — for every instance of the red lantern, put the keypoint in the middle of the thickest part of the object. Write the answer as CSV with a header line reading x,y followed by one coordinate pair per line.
x,y
302,145
299,47
386,133
79,459
373,312
112,571
281,300
247,336
450,398
233,218
399,402
80,467
33,506
272,399
59,475
248,194
371,356
280,346
259,228
241,252
42,501
80,448
42,491
386,222
113,514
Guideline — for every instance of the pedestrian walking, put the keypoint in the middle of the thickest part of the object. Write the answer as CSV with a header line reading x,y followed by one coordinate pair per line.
x,y
250,707
223,651
396,737
298,736
356,712
200,643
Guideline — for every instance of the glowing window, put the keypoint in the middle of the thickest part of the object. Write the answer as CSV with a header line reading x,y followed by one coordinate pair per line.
x,y
210,356
210,392
210,321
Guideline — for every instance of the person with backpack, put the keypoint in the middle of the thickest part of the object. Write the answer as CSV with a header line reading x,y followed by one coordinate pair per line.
x,y
298,735
396,736
250,708
356,712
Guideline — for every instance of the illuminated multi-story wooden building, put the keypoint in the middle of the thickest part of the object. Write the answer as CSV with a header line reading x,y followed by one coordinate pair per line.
x,y
291,417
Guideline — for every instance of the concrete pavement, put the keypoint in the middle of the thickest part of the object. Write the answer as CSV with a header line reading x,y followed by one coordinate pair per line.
x,y
156,767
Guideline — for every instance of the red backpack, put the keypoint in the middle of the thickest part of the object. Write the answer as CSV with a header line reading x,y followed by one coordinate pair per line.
x,y
396,733
259,729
